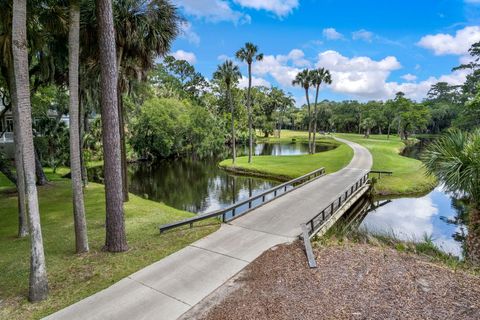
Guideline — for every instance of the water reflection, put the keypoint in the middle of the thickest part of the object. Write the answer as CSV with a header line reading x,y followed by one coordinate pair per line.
x,y
193,185
434,215
199,185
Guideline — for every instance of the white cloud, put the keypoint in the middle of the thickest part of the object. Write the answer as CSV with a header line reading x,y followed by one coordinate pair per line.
x,y
256,82
297,57
332,34
409,77
188,33
280,7
185,55
224,57
362,34
365,78
359,76
443,44
472,1
283,68
418,90
213,11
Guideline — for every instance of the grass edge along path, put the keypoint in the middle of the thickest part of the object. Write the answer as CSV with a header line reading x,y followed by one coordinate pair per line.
x,y
73,277
285,168
409,176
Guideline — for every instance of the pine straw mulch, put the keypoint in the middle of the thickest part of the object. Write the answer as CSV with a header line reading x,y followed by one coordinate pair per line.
x,y
352,281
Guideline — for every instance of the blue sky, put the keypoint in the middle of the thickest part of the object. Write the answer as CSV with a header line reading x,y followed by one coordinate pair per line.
x,y
372,48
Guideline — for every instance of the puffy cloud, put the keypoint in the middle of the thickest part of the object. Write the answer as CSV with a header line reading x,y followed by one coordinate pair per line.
x,y
332,34
409,77
283,68
362,34
365,78
280,7
360,76
213,11
443,43
418,90
243,82
472,1
188,33
185,55
224,57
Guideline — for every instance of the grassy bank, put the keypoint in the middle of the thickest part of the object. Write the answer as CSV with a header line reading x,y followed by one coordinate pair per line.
x,y
409,176
73,277
289,167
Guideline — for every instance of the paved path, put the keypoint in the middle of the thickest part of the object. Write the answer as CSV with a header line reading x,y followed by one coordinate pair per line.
x,y
173,285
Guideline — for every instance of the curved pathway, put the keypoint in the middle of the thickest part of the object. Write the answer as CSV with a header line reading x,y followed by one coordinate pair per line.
x,y
170,287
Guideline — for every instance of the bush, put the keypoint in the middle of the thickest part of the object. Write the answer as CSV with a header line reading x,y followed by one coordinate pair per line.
x,y
169,127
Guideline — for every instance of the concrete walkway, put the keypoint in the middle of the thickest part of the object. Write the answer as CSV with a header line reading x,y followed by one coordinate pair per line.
x,y
173,285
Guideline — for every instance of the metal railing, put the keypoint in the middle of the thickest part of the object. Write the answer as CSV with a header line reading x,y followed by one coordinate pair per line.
x,y
234,211
315,224
380,172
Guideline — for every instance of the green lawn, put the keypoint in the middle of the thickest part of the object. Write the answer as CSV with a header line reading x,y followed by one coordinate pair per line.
x,y
409,176
73,277
289,167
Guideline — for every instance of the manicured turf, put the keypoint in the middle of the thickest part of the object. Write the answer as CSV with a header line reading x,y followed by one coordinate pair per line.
x,y
409,176
288,167
73,277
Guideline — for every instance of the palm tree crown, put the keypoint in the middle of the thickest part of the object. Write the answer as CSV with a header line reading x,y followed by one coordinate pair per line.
x,y
454,159
249,53
303,79
228,73
319,76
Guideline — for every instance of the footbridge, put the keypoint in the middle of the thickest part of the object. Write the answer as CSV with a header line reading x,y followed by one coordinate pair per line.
x,y
171,287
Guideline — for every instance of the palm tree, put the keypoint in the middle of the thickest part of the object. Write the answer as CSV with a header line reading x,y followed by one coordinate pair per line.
x,y
454,159
248,54
144,31
228,74
319,76
304,80
38,288
6,67
368,123
81,238
115,240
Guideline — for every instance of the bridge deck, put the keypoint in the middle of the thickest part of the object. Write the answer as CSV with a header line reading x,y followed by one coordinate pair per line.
x,y
170,287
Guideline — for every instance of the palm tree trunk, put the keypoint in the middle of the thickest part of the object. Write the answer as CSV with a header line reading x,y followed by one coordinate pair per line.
x,y
309,123
473,238
39,172
249,108
121,115
80,222
315,112
81,133
116,240
38,287
232,110
22,202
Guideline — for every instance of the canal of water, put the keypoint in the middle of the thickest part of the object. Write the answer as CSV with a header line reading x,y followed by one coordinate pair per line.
x,y
199,185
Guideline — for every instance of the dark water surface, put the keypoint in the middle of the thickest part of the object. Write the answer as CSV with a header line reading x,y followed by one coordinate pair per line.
x,y
438,215
200,185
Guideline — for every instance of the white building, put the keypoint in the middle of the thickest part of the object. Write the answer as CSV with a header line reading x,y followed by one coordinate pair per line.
x,y
6,131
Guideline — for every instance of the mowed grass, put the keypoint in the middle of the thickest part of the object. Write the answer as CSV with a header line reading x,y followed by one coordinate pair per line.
x,y
289,167
71,276
409,175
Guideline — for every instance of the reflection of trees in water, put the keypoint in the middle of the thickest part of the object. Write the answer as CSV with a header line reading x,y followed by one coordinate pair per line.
x,y
199,185
460,220
191,184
